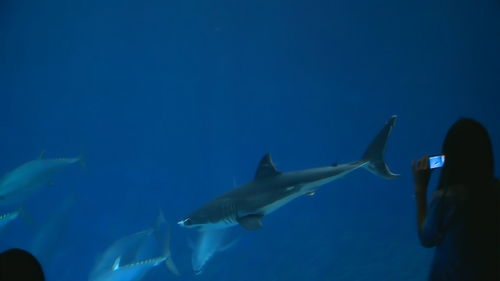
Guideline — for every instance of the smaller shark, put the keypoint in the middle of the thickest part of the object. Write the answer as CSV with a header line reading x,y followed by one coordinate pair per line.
x,y
271,189
210,242
132,257
31,176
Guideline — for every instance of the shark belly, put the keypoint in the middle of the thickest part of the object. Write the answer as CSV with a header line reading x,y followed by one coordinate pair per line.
x,y
313,186
277,204
299,190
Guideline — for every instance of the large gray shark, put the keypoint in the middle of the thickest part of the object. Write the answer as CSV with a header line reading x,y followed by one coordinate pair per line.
x,y
271,189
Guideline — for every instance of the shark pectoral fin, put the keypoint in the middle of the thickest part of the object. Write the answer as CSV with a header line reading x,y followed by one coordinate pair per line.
x,y
251,222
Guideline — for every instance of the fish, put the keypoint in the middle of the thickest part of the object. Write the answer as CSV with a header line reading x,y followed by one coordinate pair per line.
x,y
51,234
271,189
21,182
210,242
132,257
7,218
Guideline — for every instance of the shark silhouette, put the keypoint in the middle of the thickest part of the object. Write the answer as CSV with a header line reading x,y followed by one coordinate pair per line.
x,y
271,189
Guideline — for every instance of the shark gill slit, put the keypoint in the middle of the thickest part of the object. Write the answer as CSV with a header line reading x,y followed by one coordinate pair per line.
x,y
233,212
226,213
228,216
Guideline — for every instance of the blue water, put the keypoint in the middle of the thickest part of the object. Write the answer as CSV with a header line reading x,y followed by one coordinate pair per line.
x,y
175,102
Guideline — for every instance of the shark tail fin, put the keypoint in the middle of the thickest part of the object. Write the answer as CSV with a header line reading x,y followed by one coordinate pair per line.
x,y
374,154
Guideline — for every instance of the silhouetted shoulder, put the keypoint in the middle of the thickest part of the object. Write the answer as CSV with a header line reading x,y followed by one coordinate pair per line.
x,y
17,264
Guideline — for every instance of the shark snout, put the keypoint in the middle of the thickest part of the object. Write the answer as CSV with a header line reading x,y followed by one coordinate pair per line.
x,y
185,222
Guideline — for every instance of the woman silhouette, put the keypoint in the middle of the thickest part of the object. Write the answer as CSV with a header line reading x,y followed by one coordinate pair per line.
x,y
463,219
19,265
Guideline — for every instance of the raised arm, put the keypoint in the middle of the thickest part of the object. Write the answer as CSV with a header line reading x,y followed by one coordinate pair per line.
x,y
421,177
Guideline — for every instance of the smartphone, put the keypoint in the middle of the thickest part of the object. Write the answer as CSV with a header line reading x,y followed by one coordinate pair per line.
x,y
436,161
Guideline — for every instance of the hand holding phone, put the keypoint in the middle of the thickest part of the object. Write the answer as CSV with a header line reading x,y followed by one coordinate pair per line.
x,y
421,174
436,161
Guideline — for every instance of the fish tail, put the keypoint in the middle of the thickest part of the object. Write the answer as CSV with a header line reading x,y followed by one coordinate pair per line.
x,y
169,262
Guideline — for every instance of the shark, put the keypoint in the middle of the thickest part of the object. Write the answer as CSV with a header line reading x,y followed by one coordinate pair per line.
x,y
31,176
271,189
132,257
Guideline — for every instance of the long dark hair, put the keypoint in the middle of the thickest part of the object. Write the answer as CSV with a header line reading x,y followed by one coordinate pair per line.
x,y
469,164
469,156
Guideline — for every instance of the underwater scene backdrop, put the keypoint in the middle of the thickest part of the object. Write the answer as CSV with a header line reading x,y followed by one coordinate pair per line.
x,y
168,104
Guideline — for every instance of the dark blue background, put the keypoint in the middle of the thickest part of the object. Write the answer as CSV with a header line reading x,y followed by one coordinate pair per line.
x,y
172,102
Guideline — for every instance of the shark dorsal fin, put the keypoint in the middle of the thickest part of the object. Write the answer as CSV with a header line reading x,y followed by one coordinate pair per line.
x,y
266,168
